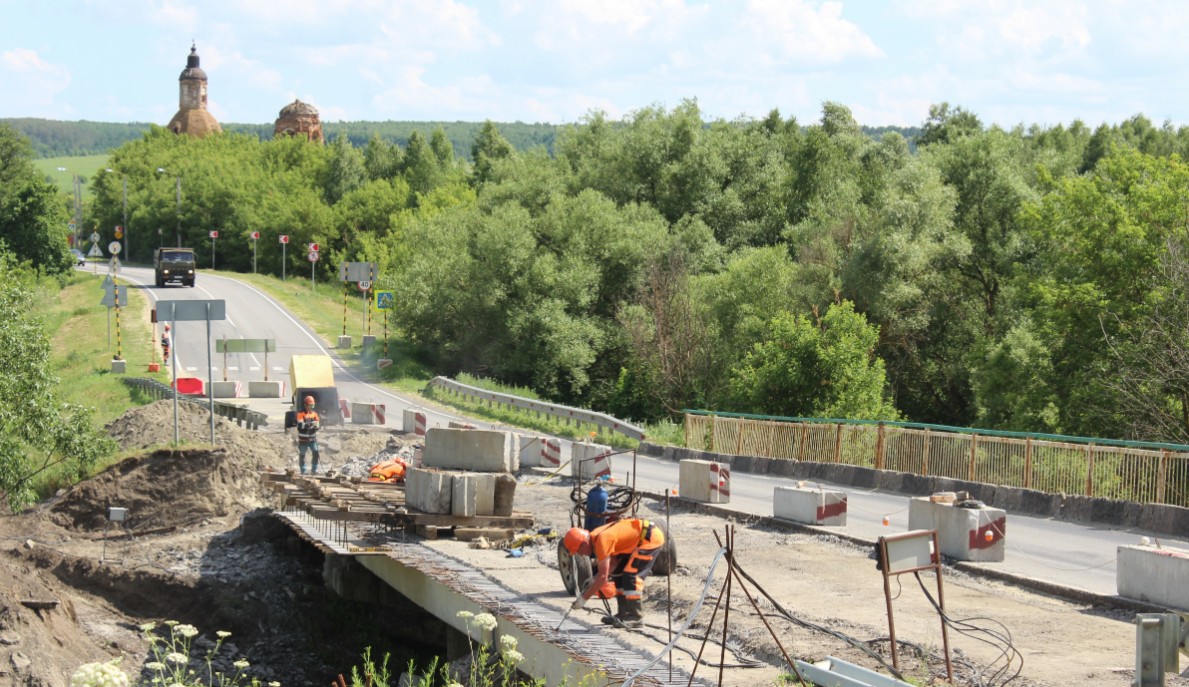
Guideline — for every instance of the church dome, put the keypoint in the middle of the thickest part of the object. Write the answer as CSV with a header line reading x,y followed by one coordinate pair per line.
x,y
298,108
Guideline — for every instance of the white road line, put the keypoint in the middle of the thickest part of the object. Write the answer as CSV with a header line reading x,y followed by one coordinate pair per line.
x,y
253,368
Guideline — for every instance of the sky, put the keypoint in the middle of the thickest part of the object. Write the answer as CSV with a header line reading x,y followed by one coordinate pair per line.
x,y
1010,62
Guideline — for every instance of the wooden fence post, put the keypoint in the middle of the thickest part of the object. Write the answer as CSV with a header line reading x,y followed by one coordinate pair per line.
x,y
1028,463
1162,476
879,447
742,425
804,435
973,455
838,443
1089,469
925,457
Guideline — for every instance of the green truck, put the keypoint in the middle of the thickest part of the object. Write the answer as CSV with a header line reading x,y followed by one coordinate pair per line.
x,y
174,265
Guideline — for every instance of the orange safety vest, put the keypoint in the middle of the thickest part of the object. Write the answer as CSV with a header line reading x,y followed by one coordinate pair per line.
x,y
389,471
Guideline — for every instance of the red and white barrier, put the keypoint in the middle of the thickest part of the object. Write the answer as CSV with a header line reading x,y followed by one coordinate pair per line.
x,y
345,408
809,506
967,534
590,461
195,386
227,389
367,413
704,481
550,453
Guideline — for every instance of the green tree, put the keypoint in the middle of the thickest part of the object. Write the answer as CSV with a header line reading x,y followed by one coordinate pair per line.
x,y
489,146
804,368
32,220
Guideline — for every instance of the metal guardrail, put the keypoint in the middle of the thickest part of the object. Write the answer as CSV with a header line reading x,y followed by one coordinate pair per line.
x,y
242,416
554,410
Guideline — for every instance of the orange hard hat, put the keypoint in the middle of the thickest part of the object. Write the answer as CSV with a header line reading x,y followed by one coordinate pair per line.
x,y
309,400
575,537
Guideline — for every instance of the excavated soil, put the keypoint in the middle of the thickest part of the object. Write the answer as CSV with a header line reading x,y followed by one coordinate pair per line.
x,y
199,547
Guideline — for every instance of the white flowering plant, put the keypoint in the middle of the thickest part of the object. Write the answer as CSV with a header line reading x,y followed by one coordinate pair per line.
x,y
171,646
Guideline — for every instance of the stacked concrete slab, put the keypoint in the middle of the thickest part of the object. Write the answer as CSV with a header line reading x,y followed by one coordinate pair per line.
x,y
967,534
1157,575
478,450
472,494
590,461
704,481
810,506
429,491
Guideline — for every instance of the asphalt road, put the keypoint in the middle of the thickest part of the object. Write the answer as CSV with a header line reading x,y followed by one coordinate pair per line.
x,y
1061,553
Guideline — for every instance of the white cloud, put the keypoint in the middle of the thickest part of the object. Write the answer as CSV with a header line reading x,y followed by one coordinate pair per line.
x,y
1011,29
27,78
803,32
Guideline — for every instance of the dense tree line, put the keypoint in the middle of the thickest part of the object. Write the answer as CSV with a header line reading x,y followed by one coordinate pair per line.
x,y
1029,278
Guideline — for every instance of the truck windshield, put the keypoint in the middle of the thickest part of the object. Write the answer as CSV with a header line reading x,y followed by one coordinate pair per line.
x,y
177,257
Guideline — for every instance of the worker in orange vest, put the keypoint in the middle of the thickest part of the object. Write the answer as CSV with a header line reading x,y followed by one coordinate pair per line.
x,y
308,424
624,552
392,471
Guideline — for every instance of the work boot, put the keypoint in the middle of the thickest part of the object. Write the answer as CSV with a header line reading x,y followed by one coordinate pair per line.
x,y
627,615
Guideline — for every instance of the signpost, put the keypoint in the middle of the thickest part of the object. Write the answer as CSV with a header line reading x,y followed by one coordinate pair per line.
x,y
255,238
192,311
364,286
384,301
214,239
313,256
284,245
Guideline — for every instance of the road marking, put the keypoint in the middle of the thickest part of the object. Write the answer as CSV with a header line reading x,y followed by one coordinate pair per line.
x,y
233,369
277,369
191,369
254,368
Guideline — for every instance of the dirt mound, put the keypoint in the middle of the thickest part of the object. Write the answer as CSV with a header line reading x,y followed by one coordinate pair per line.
x,y
165,489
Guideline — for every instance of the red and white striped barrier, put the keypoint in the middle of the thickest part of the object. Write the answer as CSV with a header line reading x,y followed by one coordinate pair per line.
x,y
966,534
551,452
809,505
590,461
720,481
414,422
704,481
345,409
367,413
227,389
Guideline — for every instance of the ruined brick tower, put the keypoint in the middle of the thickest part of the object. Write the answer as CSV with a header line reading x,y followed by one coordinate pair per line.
x,y
299,119
192,117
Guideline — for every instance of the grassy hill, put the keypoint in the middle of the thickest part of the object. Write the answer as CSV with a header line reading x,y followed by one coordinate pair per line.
x,y
61,170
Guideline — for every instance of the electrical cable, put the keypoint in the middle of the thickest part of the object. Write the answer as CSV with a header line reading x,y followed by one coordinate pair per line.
x,y
1000,640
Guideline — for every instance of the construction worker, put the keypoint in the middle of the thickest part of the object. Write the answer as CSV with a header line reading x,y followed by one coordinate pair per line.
x,y
624,552
391,471
308,424
165,343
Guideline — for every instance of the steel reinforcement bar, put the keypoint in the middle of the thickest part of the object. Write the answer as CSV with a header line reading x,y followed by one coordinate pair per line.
x,y
242,416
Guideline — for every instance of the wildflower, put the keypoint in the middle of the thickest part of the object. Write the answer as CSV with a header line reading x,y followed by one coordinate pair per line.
x,y
485,621
274,683
223,634
513,657
175,657
148,627
99,675
507,643
465,615
241,664
186,631
155,665
171,623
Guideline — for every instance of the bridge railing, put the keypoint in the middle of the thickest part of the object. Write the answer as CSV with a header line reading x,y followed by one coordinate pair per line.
x,y
552,409
1144,472
242,416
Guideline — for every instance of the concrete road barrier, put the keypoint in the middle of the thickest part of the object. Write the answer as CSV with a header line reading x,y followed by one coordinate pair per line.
x,y
261,389
590,461
415,422
550,453
429,491
480,450
967,534
1157,575
704,481
810,505
472,494
227,389
367,413
530,450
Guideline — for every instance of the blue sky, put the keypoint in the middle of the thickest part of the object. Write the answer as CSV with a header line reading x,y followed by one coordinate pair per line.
x,y
1009,61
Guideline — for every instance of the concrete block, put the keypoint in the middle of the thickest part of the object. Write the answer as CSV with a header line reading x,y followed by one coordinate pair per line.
x,y
261,389
704,481
369,340
550,453
344,342
590,461
459,425
505,494
472,494
118,366
367,413
530,450
429,491
739,463
226,389
491,534
479,450
1156,575
810,505
650,449
413,422
761,465
967,534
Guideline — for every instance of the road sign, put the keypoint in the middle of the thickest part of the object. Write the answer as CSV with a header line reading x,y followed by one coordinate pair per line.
x,y
365,285
214,234
108,282
384,300
357,271
284,238
72,227
110,296
313,256
95,252
313,248
119,232
113,247
94,237
191,311
115,264
255,235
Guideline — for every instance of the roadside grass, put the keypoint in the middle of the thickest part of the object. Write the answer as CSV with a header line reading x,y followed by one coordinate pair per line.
x,y
80,356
